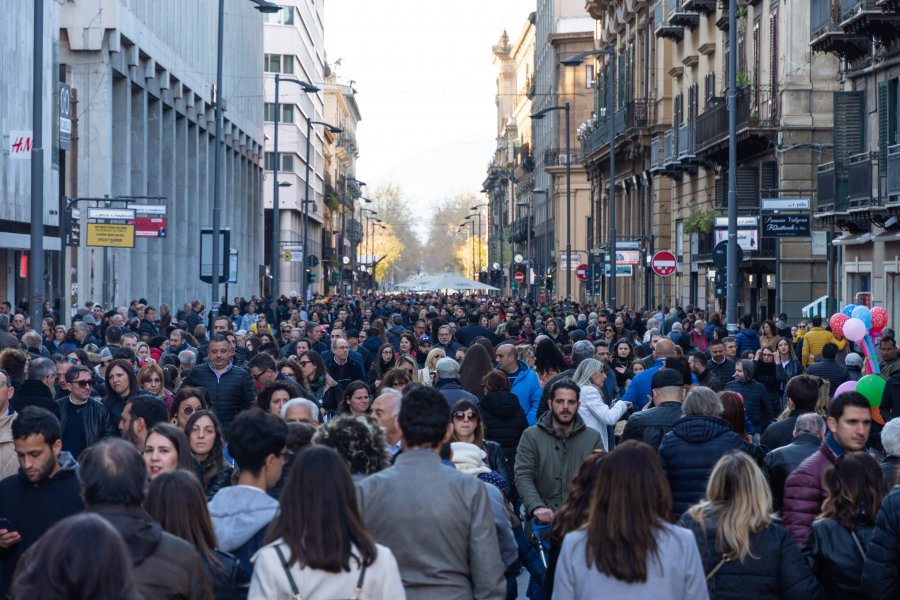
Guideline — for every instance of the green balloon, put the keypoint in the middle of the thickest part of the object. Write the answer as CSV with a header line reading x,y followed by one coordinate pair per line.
x,y
872,387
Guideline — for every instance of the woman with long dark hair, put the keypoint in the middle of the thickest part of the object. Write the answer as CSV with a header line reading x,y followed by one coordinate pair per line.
x,y
745,553
322,388
383,362
627,547
356,401
208,446
548,361
473,368
502,414
621,355
468,427
175,500
166,450
121,387
187,401
99,570
318,543
839,539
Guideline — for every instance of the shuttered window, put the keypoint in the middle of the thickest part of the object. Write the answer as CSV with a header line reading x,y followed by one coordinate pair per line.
x,y
849,125
768,178
773,62
748,187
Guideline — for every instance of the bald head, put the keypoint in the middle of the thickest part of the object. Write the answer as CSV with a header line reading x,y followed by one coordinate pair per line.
x,y
664,349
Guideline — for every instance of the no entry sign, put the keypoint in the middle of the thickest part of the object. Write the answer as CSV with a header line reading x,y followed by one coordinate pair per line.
x,y
663,263
581,272
519,277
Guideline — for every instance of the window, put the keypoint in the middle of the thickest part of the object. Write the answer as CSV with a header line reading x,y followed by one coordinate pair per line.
x,y
284,17
287,64
287,161
287,113
589,75
277,63
269,112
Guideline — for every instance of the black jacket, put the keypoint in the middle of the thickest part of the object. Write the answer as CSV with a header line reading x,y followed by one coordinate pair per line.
x,y
33,509
781,462
97,419
221,480
881,574
777,571
34,393
348,373
835,558
231,393
756,402
780,433
496,460
651,425
890,398
724,372
165,566
830,370
709,379
504,421
689,452
767,375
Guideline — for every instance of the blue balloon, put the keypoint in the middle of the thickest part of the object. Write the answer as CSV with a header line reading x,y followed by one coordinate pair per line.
x,y
848,310
863,314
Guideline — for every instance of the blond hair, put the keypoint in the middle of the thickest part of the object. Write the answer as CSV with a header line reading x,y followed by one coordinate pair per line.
x,y
739,501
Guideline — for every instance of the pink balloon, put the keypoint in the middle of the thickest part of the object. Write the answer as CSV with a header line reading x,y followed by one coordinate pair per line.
x,y
854,329
847,386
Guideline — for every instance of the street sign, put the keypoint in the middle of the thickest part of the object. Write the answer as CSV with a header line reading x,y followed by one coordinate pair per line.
x,y
720,255
747,239
621,270
628,257
519,277
233,255
627,245
581,272
784,203
150,220
292,253
663,263
786,225
206,254
110,235
110,214
65,116
569,263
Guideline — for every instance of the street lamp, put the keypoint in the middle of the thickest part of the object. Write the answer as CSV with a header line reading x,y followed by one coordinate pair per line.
x,y
574,61
304,286
368,216
263,6
540,115
472,223
478,208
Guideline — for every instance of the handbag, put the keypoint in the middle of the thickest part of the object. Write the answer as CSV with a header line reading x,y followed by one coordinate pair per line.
x,y
295,591
712,573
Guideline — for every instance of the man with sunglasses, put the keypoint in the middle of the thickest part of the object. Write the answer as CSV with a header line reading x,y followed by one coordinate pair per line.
x,y
84,419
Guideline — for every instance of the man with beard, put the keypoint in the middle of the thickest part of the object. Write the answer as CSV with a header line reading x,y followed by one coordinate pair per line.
x,y
43,492
138,418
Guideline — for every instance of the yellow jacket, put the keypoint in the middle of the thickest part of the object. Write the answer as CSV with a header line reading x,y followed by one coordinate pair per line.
x,y
815,339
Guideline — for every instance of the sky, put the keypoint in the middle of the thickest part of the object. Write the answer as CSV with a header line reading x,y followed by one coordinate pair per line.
x,y
426,89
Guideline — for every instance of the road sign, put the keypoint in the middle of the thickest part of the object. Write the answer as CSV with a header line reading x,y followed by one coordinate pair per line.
x,y
621,270
786,225
784,203
65,116
570,262
150,220
663,263
720,255
581,272
110,235
292,253
520,277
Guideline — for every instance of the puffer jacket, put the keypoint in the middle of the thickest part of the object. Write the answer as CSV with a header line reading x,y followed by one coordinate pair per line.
x,y
783,461
774,569
504,421
814,340
527,388
804,494
746,339
689,452
835,559
756,402
649,426
881,573
548,459
229,393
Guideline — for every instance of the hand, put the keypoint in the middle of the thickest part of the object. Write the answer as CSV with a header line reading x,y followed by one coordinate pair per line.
x,y
544,515
629,405
9,538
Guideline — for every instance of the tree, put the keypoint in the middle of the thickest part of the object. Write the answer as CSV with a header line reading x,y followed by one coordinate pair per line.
x,y
470,257
385,246
444,232
393,210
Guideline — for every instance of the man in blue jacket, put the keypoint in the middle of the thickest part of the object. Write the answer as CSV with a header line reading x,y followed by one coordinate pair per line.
x,y
523,382
747,338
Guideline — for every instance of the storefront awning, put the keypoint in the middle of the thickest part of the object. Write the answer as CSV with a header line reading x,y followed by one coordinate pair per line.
x,y
853,239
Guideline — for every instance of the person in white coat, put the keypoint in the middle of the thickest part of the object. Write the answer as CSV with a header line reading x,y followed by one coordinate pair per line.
x,y
318,545
594,410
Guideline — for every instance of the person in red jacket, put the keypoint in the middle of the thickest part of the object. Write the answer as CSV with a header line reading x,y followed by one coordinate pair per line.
x,y
849,422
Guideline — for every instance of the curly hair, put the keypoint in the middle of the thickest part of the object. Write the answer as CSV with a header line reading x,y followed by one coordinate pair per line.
x,y
359,441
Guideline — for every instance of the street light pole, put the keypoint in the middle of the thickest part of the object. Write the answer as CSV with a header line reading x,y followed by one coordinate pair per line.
x,y
304,285
733,286
36,248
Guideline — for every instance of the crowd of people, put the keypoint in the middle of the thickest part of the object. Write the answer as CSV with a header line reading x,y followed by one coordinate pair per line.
x,y
446,447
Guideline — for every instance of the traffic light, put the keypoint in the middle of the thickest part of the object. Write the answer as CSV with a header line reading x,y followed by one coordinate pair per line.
x,y
72,226
310,275
549,277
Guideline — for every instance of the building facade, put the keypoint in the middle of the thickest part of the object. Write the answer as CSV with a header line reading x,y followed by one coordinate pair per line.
x,y
858,176
671,145
144,76
294,48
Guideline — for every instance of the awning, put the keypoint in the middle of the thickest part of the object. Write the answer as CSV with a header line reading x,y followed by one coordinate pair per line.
x,y
853,239
887,236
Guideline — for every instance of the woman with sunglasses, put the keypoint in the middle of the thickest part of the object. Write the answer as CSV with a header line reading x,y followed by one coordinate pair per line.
x,y
186,402
468,427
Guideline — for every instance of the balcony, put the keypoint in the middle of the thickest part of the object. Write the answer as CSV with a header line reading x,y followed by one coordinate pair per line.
x,y
596,139
864,17
681,16
827,35
704,7
669,156
657,154
888,5
554,157
893,175
631,116
663,28
831,186
862,169
722,21
518,230
757,119
686,141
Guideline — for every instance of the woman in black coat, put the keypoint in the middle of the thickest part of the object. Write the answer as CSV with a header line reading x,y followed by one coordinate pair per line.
x,y
502,414
745,553
756,398
839,541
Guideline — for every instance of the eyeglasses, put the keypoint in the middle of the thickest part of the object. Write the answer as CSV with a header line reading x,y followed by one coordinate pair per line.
x,y
188,410
258,375
72,360
83,383
303,363
464,416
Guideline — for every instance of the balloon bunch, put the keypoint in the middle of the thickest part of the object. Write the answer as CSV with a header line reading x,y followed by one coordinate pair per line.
x,y
860,324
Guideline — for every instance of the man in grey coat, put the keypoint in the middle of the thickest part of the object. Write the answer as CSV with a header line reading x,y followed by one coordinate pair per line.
x,y
437,521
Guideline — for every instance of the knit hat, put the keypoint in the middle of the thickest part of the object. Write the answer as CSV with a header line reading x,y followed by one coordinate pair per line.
x,y
467,458
853,360
748,367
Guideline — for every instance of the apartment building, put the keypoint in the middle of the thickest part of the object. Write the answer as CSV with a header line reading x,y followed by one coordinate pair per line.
x,y
858,175
671,142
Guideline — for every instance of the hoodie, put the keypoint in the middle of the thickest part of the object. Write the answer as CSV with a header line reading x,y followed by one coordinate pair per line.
x,y
527,387
240,516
